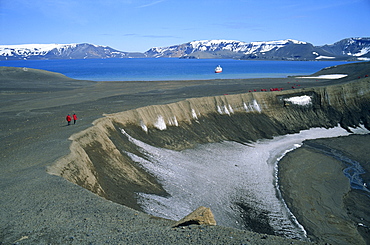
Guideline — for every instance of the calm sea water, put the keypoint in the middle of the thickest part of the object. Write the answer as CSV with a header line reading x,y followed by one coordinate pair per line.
x,y
151,69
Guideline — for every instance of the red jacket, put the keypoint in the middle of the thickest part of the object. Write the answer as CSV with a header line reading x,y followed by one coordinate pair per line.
x,y
68,118
74,117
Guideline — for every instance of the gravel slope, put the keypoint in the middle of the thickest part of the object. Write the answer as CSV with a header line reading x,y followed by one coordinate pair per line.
x,y
38,208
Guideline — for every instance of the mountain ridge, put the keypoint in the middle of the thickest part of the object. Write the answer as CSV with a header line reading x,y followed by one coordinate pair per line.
x,y
61,51
288,49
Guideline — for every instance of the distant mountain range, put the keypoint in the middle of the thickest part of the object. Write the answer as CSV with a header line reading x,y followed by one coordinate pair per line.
x,y
61,51
346,49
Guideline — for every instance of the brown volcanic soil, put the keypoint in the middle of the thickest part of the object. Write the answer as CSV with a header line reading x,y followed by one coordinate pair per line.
x,y
38,208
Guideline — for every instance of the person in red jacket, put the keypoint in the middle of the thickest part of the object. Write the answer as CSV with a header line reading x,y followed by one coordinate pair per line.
x,y
74,118
69,119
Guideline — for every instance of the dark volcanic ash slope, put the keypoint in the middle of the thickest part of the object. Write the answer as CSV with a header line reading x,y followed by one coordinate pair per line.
x,y
27,80
332,208
40,208
99,161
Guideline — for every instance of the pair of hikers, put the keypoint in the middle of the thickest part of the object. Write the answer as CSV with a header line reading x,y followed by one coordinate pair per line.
x,y
69,119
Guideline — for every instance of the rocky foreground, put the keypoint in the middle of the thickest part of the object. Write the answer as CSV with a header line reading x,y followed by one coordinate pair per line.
x,y
39,208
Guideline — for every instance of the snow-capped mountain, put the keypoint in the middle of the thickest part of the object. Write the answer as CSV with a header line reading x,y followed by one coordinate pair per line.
x,y
219,48
61,51
357,47
352,48
289,49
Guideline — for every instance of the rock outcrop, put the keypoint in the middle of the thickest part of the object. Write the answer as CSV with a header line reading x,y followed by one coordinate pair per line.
x,y
200,216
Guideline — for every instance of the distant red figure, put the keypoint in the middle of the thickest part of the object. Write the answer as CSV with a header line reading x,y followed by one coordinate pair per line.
x,y
74,118
69,119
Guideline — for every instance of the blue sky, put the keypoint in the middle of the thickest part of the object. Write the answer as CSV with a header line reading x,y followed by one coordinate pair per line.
x,y
138,25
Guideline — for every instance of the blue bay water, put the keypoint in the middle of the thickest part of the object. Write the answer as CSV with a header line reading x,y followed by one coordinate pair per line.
x,y
151,69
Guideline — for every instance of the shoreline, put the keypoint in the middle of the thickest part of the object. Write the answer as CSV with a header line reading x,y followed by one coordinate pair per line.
x,y
173,69
40,208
